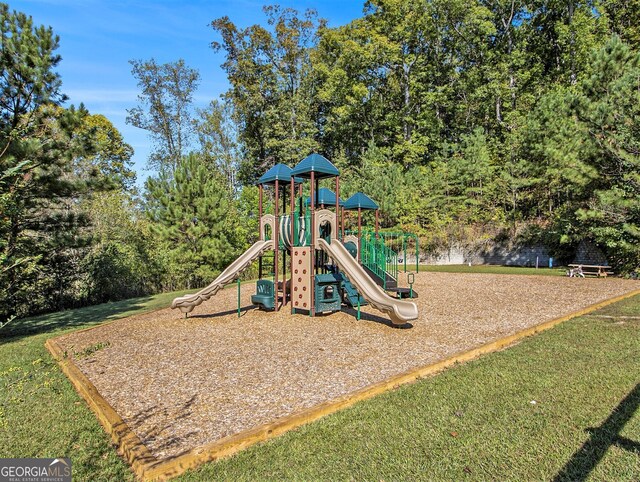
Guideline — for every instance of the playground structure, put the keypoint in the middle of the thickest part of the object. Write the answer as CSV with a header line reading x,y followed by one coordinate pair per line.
x,y
328,267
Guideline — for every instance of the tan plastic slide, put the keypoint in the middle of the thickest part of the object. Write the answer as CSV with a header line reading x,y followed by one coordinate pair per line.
x,y
187,303
399,311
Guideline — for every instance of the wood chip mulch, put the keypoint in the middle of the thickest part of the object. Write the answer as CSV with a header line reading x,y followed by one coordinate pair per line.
x,y
182,383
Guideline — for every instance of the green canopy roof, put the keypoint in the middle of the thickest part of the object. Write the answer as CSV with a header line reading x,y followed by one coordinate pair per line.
x,y
360,200
317,164
279,172
326,197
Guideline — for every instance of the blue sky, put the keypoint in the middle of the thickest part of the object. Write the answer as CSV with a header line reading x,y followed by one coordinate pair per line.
x,y
98,38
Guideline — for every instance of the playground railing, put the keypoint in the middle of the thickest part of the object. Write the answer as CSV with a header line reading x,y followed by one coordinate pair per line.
x,y
378,257
399,242
402,243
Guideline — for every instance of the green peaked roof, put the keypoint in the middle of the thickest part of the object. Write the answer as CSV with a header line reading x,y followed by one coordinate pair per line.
x,y
326,197
360,200
279,172
317,164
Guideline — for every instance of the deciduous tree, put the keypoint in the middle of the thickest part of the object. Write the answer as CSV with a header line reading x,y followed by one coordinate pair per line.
x,y
273,98
165,108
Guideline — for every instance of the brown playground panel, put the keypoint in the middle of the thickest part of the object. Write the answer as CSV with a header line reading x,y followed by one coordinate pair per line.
x,y
301,296
174,393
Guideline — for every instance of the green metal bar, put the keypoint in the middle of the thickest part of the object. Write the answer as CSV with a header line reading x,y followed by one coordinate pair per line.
x,y
379,258
392,262
417,252
404,248
373,252
238,297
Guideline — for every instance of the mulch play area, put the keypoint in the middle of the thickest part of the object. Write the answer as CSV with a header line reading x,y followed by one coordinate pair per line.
x,y
180,384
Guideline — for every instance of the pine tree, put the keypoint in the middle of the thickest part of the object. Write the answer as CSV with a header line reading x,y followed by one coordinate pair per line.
x,y
39,228
194,216
609,112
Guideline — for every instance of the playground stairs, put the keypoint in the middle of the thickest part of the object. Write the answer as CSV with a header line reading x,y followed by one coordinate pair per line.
x,y
387,282
351,295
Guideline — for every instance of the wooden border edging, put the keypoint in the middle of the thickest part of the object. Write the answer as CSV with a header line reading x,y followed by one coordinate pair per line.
x,y
127,442
147,467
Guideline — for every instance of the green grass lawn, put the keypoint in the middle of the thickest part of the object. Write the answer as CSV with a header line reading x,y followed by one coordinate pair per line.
x,y
40,413
473,422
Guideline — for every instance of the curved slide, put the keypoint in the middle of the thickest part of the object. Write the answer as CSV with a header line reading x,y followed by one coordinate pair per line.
x,y
187,303
399,311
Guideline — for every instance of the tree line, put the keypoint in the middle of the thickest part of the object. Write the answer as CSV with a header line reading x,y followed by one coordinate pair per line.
x,y
464,120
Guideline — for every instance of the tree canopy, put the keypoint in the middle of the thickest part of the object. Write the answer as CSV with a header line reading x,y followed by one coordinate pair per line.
x,y
480,116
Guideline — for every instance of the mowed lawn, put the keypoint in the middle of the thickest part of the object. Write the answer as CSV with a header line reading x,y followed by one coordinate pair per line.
x,y
561,405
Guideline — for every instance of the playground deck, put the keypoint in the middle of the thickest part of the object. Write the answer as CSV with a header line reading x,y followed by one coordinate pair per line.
x,y
182,383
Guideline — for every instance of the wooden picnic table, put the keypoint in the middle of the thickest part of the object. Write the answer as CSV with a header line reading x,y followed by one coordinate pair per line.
x,y
601,271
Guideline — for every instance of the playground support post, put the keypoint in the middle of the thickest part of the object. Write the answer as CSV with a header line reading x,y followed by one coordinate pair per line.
x,y
276,247
284,250
260,202
359,234
260,234
410,279
238,297
337,234
293,242
377,223
313,244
